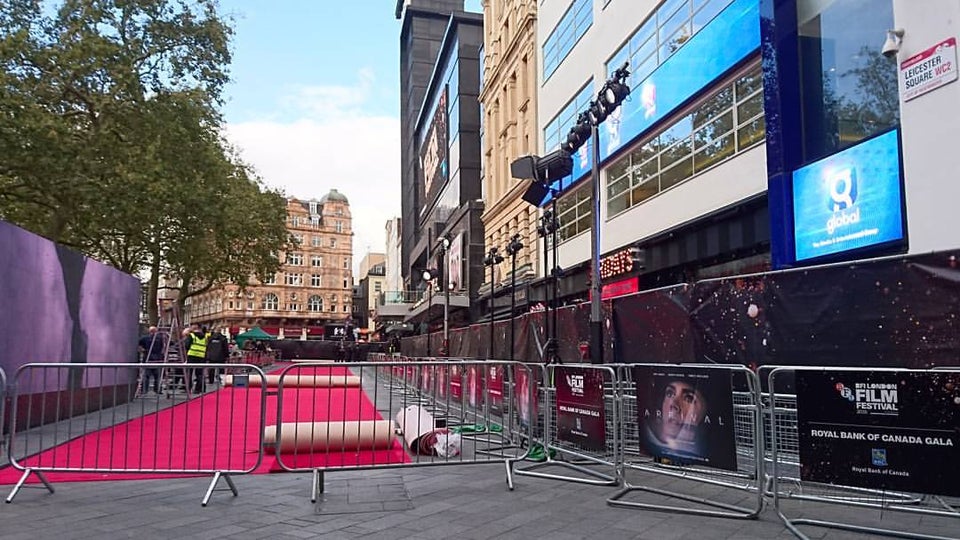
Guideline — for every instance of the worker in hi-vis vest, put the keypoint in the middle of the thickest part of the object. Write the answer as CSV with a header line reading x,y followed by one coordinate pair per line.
x,y
197,354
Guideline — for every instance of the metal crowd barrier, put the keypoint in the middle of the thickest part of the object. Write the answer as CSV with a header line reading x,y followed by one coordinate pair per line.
x,y
784,465
580,412
454,413
719,447
3,404
87,418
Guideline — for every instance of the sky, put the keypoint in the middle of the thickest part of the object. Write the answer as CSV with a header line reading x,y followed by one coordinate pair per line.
x,y
314,102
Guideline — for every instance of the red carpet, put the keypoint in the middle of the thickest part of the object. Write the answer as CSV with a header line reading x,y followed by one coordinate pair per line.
x,y
217,431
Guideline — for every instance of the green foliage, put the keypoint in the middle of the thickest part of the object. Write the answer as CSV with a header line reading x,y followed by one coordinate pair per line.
x,y
110,128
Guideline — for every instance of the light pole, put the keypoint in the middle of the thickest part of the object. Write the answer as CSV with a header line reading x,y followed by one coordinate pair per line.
x,y
614,91
513,247
428,276
444,245
492,259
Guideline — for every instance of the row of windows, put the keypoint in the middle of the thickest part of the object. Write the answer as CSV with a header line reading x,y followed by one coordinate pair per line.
x,y
315,241
313,222
725,123
572,26
297,280
316,261
663,33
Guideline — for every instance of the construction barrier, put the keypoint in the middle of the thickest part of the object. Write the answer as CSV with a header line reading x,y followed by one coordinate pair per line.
x,y
88,418
405,413
579,406
701,423
865,438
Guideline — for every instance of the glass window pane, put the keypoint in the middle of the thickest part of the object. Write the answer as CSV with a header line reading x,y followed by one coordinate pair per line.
x,y
618,204
618,168
750,108
712,107
676,174
751,133
680,130
672,21
748,84
717,128
669,8
618,186
675,153
707,14
583,224
648,170
643,33
714,153
674,42
644,191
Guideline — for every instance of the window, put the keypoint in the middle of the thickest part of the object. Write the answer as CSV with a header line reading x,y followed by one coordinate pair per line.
x,y
338,226
316,261
293,279
316,241
729,121
572,26
270,280
339,211
346,309
333,242
294,221
298,238
345,286
662,34
293,306
566,118
377,286
333,307
315,280
315,303
271,302
573,212
346,262
295,259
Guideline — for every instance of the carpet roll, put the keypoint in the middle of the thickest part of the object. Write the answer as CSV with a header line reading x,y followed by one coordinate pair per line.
x,y
301,380
343,436
312,361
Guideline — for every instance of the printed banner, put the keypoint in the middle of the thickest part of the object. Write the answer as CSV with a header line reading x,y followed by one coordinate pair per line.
x,y
527,392
475,386
686,415
880,430
456,382
495,376
580,418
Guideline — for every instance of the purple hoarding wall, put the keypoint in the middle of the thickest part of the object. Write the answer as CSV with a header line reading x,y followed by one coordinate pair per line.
x,y
60,306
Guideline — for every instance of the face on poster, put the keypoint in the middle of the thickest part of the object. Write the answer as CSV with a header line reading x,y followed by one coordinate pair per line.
x,y
686,415
880,429
442,381
495,388
456,382
475,386
579,409
526,392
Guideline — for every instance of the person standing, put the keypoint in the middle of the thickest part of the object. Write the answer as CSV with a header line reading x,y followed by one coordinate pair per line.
x,y
152,346
217,351
196,345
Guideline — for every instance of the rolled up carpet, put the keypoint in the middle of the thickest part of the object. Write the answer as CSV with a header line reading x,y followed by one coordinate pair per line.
x,y
312,361
301,380
343,436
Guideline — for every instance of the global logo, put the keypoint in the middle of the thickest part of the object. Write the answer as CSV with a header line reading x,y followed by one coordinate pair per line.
x,y
845,392
842,185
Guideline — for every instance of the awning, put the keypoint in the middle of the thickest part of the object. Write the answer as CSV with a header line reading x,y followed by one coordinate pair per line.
x,y
399,328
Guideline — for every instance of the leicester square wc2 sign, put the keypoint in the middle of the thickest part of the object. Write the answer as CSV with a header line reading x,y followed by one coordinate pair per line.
x,y
928,70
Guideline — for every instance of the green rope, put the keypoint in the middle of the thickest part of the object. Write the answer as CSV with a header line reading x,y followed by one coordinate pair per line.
x,y
477,428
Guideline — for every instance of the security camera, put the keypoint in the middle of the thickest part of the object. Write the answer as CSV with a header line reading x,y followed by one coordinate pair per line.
x,y
892,45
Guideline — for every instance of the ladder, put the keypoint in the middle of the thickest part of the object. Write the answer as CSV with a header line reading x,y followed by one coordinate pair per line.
x,y
173,381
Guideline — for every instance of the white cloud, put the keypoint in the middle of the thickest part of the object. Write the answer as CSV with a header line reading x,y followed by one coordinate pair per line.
x,y
332,144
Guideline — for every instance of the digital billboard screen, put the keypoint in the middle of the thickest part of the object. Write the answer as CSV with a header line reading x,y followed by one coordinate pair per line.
x,y
850,200
434,158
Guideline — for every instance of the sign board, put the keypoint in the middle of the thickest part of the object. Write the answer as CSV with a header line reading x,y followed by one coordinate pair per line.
x,y
686,415
580,416
883,430
928,70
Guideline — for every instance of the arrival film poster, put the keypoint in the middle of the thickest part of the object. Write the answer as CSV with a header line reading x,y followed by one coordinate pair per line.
x,y
580,415
887,430
685,415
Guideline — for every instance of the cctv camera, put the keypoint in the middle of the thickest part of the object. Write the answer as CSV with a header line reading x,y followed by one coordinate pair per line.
x,y
892,45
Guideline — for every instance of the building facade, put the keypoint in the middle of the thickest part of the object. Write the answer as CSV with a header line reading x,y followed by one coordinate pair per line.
x,y
312,289
508,97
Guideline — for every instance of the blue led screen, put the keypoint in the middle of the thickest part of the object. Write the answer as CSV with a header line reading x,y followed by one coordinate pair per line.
x,y
850,200
732,36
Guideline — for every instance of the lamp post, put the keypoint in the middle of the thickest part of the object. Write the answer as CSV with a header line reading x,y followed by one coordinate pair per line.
x,y
614,91
513,247
492,259
428,276
444,246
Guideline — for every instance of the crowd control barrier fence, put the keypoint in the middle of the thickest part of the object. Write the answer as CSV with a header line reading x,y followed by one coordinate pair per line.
x,y
866,438
396,412
3,405
579,408
87,418
701,423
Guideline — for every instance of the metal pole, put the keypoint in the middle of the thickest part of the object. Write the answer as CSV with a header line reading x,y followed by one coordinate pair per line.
x,y
493,308
596,315
429,309
446,308
555,281
546,291
513,299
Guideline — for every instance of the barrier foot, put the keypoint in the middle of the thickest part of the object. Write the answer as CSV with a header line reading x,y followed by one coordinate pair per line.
x,y
792,525
732,511
23,478
213,484
317,488
509,465
599,479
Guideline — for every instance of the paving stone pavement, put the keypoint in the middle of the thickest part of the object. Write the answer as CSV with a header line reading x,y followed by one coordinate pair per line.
x,y
470,502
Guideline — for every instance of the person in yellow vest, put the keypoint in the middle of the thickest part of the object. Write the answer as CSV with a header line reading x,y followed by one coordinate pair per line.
x,y
197,354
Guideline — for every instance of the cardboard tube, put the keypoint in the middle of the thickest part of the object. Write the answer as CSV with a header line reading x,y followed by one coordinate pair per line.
x,y
312,361
301,380
415,422
344,436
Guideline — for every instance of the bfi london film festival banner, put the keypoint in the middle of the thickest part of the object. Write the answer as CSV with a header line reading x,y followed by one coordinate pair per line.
x,y
685,415
580,418
527,392
880,430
